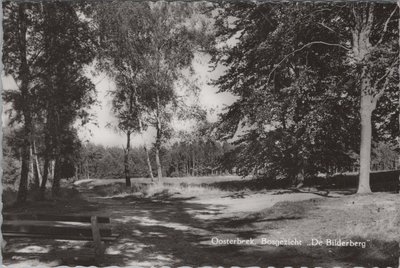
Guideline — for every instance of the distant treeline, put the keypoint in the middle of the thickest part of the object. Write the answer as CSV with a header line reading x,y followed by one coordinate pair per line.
x,y
195,158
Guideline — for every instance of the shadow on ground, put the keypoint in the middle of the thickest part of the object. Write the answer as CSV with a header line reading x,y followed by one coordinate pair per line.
x,y
167,232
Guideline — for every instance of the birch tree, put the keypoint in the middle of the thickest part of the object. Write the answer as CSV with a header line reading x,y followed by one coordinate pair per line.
x,y
20,51
46,47
149,44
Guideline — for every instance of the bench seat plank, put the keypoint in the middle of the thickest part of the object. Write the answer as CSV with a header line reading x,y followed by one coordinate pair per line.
x,y
52,230
54,223
57,237
45,217
47,223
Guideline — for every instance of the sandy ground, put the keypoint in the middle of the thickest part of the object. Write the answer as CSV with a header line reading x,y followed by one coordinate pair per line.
x,y
178,230
247,202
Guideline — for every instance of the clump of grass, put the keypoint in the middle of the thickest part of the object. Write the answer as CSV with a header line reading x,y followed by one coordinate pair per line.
x,y
156,190
375,253
385,227
285,210
182,189
118,189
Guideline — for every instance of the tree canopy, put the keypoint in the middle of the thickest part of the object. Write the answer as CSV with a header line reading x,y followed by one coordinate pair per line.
x,y
295,71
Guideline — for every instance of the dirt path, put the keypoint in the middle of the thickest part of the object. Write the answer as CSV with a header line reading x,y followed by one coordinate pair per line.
x,y
168,232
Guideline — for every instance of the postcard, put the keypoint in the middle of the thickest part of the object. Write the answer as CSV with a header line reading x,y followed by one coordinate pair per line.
x,y
200,134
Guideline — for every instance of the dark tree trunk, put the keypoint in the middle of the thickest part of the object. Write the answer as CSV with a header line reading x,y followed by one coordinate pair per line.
x,y
193,164
26,102
56,134
126,159
158,162
45,177
25,163
55,190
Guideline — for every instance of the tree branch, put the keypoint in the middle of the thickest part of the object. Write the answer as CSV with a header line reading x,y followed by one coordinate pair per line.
x,y
370,16
33,59
327,27
299,49
386,76
386,26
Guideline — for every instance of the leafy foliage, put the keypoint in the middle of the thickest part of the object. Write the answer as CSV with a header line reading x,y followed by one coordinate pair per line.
x,y
290,66
46,47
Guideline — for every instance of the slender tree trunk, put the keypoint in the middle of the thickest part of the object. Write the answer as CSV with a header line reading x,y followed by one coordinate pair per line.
x,y
55,190
299,179
31,175
193,164
177,168
52,168
126,159
158,162
26,101
158,141
149,168
36,167
76,166
47,160
47,151
26,158
45,176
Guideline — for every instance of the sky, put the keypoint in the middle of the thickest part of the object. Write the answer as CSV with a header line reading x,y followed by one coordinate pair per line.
x,y
99,133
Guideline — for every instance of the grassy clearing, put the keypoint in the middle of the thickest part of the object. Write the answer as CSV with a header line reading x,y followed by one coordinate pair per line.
x,y
182,189
368,217
383,221
156,190
281,211
175,180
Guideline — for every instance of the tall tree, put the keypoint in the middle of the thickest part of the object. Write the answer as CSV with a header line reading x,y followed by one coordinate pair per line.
x,y
293,67
125,107
47,60
123,31
149,44
172,44
20,51
374,50
66,92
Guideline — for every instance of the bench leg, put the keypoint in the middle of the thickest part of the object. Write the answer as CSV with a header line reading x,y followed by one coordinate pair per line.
x,y
98,247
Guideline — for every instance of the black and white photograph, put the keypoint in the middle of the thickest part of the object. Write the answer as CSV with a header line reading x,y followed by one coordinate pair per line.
x,y
200,134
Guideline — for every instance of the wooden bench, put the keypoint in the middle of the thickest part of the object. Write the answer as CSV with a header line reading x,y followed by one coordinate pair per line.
x,y
60,227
